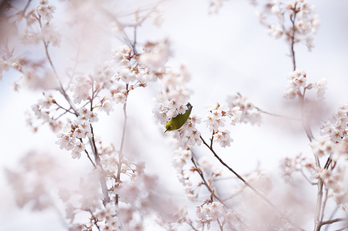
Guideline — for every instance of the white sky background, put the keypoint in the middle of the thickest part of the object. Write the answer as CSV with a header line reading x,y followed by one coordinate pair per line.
x,y
226,53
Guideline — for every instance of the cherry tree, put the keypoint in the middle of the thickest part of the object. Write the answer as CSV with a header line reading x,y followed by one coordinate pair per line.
x,y
89,60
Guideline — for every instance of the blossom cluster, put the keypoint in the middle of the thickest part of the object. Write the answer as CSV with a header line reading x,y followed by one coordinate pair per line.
x,y
48,32
182,162
249,112
335,179
215,5
298,84
112,81
336,126
136,195
216,119
31,78
80,129
156,54
302,24
331,179
46,10
32,181
44,110
297,164
108,215
214,212
157,18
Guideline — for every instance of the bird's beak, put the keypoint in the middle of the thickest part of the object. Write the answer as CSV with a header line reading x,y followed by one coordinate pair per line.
x,y
165,131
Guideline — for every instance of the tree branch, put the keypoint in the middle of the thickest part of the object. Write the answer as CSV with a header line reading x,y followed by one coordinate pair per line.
x,y
292,38
205,182
120,157
332,221
251,187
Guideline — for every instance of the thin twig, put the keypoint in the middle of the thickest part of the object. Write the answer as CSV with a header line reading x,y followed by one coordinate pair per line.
x,y
95,220
135,41
61,107
276,115
220,225
341,229
129,25
304,175
190,224
90,159
60,115
331,216
328,162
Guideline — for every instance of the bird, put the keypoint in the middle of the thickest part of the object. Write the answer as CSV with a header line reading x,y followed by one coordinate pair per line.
x,y
177,122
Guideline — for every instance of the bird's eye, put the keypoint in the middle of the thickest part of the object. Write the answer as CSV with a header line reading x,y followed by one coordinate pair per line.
x,y
170,127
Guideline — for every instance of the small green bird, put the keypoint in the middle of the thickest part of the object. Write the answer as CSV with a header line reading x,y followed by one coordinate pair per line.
x,y
177,122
